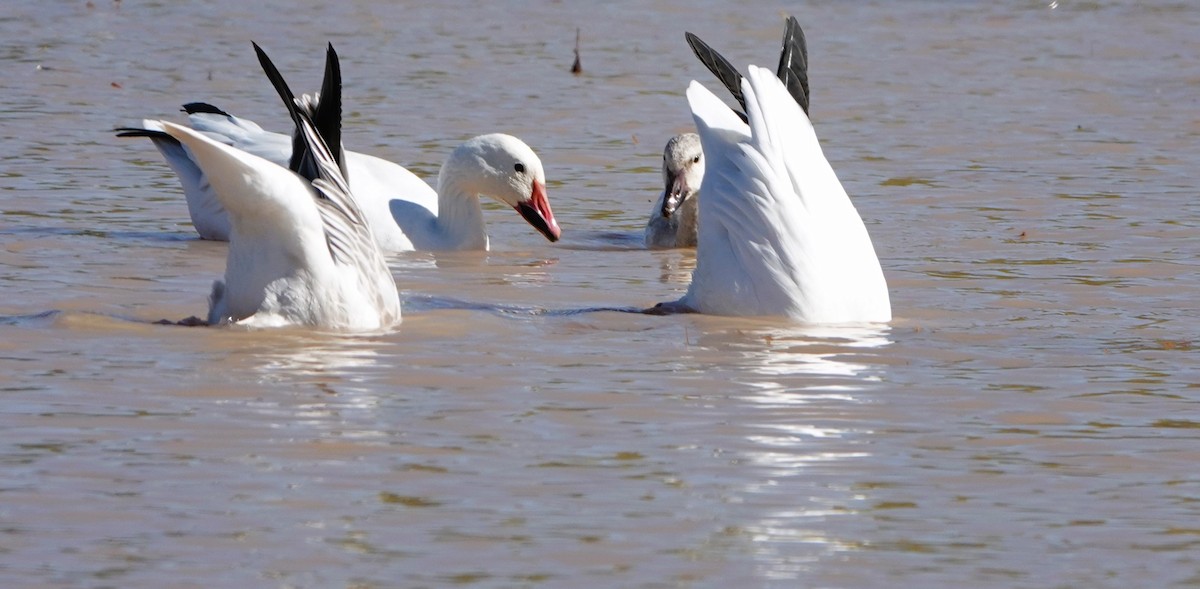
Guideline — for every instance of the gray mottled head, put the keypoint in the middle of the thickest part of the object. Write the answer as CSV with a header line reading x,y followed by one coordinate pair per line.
x,y
683,170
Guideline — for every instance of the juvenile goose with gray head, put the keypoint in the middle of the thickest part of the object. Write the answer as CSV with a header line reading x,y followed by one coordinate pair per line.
x,y
780,236
674,218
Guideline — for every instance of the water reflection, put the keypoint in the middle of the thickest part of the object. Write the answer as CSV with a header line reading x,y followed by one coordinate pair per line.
x,y
805,385
605,241
1027,175
32,320
334,379
308,354
675,267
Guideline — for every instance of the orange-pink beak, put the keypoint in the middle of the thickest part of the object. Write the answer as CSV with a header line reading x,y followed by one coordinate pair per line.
x,y
537,212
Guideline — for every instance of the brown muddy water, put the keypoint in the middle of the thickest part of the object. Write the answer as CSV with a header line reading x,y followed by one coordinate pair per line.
x,y
1027,170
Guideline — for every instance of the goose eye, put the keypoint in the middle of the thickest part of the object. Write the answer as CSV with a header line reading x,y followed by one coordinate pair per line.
x,y
696,160
520,168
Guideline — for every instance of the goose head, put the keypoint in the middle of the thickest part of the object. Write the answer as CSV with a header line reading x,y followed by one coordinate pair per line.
x,y
504,168
683,170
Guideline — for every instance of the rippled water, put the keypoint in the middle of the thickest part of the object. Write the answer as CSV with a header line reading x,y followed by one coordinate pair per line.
x,y
1030,419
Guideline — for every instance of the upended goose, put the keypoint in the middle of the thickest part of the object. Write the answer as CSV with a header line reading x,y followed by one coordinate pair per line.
x,y
673,219
300,250
779,235
403,211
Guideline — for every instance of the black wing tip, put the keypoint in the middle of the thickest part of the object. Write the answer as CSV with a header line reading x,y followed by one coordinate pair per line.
x,y
324,117
131,132
299,153
699,47
137,132
332,84
328,115
793,38
281,86
793,63
332,63
192,108
151,134
720,67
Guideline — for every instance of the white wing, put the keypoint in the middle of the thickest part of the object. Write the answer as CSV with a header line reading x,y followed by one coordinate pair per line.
x,y
375,182
297,251
778,234
351,242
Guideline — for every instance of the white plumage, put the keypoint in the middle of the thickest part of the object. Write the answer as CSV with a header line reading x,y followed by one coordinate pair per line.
x,y
404,212
779,235
300,252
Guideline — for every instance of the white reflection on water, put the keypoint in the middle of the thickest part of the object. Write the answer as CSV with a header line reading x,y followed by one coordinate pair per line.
x,y
806,383
675,267
333,376
319,356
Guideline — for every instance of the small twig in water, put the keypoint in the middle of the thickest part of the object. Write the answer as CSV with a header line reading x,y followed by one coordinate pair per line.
x,y
576,68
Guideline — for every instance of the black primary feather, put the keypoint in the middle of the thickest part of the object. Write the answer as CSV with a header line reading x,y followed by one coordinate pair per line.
x,y
793,63
792,71
344,224
721,68
281,86
327,117
135,132
317,156
192,108
328,110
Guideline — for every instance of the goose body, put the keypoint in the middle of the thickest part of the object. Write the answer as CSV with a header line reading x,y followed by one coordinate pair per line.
x,y
300,250
674,218
404,212
283,266
779,233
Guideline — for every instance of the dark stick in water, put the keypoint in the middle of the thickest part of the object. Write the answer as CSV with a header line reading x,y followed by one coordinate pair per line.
x,y
576,68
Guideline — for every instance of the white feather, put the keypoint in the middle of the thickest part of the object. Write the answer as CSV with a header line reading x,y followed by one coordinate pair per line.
x,y
779,235
299,251
404,212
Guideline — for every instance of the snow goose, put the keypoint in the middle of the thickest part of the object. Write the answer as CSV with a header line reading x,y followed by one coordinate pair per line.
x,y
404,212
779,234
673,220
300,250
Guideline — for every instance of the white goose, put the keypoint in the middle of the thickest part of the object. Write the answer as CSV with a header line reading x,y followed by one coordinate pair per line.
x,y
779,234
300,251
673,220
404,212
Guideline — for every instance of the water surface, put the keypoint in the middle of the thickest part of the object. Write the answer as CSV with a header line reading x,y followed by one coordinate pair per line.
x,y
1029,419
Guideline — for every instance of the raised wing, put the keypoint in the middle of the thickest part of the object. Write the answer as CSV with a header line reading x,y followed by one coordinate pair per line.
x,y
779,234
720,67
346,230
325,110
793,63
792,70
